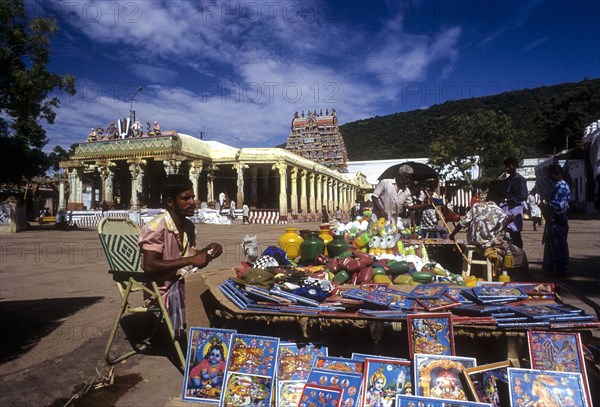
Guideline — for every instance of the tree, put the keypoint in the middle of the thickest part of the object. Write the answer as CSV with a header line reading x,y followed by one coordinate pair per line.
x,y
25,88
484,138
59,154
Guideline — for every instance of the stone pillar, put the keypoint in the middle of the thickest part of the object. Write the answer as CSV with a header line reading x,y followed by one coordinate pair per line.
x,y
325,179
330,194
210,183
240,183
107,183
75,190
266,184
294,190
335,185
282,168
303,207
61,195
171,166
195,171
319,203
134,170
312,202
253,185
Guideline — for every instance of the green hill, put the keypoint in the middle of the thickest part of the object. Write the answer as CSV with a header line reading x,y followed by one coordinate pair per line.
x,y
548,115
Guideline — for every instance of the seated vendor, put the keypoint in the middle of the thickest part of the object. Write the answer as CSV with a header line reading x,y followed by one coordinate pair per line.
x,y
486,225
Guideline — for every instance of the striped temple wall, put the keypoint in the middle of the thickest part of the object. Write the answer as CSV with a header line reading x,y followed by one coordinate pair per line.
x,y
90,219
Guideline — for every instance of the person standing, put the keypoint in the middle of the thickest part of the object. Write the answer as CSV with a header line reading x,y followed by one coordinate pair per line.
x,y
104,208
556,212
534,210
338,214
168,246
325,215
392,196
355,211
245,214
515,193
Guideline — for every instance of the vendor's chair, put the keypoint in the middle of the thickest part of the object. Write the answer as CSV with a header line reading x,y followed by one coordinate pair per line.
x,y
468,262
119,237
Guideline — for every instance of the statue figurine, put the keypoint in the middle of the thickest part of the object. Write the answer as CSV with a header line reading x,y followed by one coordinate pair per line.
x,y
99,133
111,131
137,128
92,136
148,132
156,128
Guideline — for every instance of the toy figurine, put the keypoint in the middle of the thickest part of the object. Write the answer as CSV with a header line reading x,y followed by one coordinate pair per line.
x,y
137,128
156,128
92,136
99,133
111,131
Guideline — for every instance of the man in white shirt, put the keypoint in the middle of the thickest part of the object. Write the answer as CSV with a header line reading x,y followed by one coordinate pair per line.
x,y
392,196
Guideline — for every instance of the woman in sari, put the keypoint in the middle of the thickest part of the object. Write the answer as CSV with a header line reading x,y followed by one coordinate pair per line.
x,y
556,213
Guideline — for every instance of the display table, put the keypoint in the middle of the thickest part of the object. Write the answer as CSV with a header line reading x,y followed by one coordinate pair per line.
x,y
345,332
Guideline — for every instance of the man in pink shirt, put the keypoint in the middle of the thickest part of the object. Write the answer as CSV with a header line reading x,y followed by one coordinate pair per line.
x,y
168,245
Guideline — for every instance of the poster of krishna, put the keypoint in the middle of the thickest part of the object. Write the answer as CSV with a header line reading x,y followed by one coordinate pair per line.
x,y
207,355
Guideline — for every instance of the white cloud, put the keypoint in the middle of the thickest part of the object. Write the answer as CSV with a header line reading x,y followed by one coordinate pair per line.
x,y
153,74
405,57
254,70
534,44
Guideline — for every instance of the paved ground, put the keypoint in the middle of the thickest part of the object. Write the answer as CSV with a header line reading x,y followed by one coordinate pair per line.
x,y
57,305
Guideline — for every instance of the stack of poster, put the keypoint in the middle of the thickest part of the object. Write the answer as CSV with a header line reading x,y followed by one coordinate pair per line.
x,y
512,305
295,363
251,367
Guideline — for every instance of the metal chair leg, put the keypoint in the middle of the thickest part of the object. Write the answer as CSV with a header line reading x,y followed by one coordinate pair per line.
x,y
111,338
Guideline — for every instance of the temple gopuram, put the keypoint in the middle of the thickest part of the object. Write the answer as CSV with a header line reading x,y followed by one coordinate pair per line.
x,y
317,137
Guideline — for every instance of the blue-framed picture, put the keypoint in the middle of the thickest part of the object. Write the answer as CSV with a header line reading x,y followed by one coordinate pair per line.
x,y
207,355
420,401
558,351
383,380
546,388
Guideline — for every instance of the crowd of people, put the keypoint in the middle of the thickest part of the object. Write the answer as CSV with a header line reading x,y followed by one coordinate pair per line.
x,y
494,221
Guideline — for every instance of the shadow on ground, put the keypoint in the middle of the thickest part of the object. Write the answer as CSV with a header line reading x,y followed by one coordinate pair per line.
x,y
30,321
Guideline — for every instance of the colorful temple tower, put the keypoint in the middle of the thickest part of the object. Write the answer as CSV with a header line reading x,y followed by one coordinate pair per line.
x,y
317,137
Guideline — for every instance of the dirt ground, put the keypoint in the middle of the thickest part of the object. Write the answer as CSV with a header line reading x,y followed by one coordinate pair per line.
x,y
57,305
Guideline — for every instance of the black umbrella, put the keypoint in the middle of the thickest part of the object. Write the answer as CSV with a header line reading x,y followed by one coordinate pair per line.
x,y
421,172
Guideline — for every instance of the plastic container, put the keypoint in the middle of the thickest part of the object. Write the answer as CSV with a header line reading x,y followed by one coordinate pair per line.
x,y
326,236
337,246
311,247
290,242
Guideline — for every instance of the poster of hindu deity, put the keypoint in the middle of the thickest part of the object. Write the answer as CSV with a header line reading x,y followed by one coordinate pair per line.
x,y
295,363
545,388
488,383
349,383
383,379
420,401
320,396
558,351
250,371
430,334
439,376
207,354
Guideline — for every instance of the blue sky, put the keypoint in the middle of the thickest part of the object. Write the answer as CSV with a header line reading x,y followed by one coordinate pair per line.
x,y
238,70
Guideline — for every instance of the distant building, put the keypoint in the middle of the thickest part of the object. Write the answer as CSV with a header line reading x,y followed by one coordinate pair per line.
x,y
317,137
